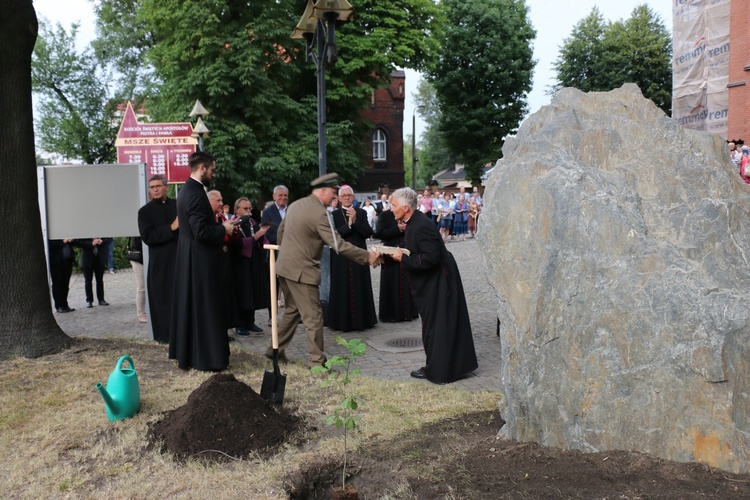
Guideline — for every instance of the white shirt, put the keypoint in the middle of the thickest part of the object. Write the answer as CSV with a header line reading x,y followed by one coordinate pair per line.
x,y
282,211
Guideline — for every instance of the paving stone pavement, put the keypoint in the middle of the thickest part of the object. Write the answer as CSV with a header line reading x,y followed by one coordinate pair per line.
x,y
119,320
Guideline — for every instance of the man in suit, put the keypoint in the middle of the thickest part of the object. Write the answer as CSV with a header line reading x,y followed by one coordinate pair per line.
x,y
159,228
94,262
272,217
438,292
275,213
301,236
198,336
61,259
382,204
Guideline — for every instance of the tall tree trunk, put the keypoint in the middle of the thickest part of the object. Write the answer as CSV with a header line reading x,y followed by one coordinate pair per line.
x,y
27,326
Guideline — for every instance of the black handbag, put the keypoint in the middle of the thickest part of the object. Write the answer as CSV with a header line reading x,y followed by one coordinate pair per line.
x,y
134,253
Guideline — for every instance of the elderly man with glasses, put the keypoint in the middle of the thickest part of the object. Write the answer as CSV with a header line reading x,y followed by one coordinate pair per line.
x,y
350,304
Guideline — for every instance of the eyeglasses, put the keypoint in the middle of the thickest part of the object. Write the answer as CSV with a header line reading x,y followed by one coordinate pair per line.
x,y
157,186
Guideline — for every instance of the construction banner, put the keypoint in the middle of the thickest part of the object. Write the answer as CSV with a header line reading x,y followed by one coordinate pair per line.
x,y
700,35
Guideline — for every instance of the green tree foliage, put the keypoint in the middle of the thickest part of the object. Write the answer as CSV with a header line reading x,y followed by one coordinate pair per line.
x,y
236,60
122,41
600,57
582,57
382,36
76,115
482,77
239,60
434,155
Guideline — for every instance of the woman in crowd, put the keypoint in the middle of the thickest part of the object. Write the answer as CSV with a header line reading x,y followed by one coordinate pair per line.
x,y
446,217
743,163
136,262
367,207
473,216
460,218
452,200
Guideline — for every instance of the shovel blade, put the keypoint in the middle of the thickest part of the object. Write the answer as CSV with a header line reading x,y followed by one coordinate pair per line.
x,y
272,388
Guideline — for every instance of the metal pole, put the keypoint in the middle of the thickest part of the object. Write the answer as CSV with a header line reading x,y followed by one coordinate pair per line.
x,y
320,64
414,150
320,36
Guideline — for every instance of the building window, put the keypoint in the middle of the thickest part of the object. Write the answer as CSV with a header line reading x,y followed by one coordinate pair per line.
x,y
378,146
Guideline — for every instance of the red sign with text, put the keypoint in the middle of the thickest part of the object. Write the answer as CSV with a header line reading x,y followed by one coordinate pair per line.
x,y
164,147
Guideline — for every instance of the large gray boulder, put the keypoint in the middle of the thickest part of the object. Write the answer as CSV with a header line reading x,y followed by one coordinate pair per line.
x,y
619,244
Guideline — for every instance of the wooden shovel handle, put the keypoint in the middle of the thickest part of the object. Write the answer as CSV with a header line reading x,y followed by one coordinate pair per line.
x,y
274,301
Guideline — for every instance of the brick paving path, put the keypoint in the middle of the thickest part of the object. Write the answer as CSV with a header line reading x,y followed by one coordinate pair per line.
x,y
119,320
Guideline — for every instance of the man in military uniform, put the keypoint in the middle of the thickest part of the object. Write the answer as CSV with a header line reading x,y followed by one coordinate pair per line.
x,y
303,232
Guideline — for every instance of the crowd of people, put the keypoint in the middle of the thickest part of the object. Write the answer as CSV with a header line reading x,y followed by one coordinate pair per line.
x,y
740,156
456,215
208,271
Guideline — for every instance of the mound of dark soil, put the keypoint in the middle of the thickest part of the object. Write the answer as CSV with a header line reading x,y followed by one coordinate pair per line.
x,y
223,419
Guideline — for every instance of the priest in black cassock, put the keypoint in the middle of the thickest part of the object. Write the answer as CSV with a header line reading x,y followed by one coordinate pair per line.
x,y
396,301
350,303
198,337
438,293
158,227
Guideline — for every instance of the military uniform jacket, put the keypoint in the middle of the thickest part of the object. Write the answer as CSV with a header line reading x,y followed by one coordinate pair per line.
x,y
301,236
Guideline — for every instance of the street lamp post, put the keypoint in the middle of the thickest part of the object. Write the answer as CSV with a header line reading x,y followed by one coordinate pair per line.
x,y
200,130
318,28
414,150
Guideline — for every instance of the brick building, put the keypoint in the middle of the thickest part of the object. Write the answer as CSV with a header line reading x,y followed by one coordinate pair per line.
x,y
385,141
739,71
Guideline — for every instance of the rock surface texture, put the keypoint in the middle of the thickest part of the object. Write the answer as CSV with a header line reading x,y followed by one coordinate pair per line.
x,y
619,244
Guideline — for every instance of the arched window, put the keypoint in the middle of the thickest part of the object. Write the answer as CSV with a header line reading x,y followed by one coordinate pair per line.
x,y
378,145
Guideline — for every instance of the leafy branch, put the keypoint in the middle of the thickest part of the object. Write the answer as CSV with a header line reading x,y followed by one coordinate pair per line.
x,y
343,417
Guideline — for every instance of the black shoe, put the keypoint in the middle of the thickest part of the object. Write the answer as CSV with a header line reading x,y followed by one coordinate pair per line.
x,y
103,303
65,309
241,331
255,328
89,305
419,373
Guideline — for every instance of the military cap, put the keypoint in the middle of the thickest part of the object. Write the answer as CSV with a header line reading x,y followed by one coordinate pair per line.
x,y
329,180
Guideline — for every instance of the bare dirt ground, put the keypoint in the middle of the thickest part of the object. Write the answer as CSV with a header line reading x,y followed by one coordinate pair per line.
x,y
460,457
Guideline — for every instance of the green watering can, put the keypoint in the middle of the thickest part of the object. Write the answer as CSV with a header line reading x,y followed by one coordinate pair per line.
x,y
122,397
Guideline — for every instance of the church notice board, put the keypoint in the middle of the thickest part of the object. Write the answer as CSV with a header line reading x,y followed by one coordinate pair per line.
x,y
164,147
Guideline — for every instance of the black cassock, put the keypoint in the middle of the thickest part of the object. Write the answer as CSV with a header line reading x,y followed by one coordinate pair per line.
x,y
198,337
252,285
439,295
154,225
396,301
350,303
